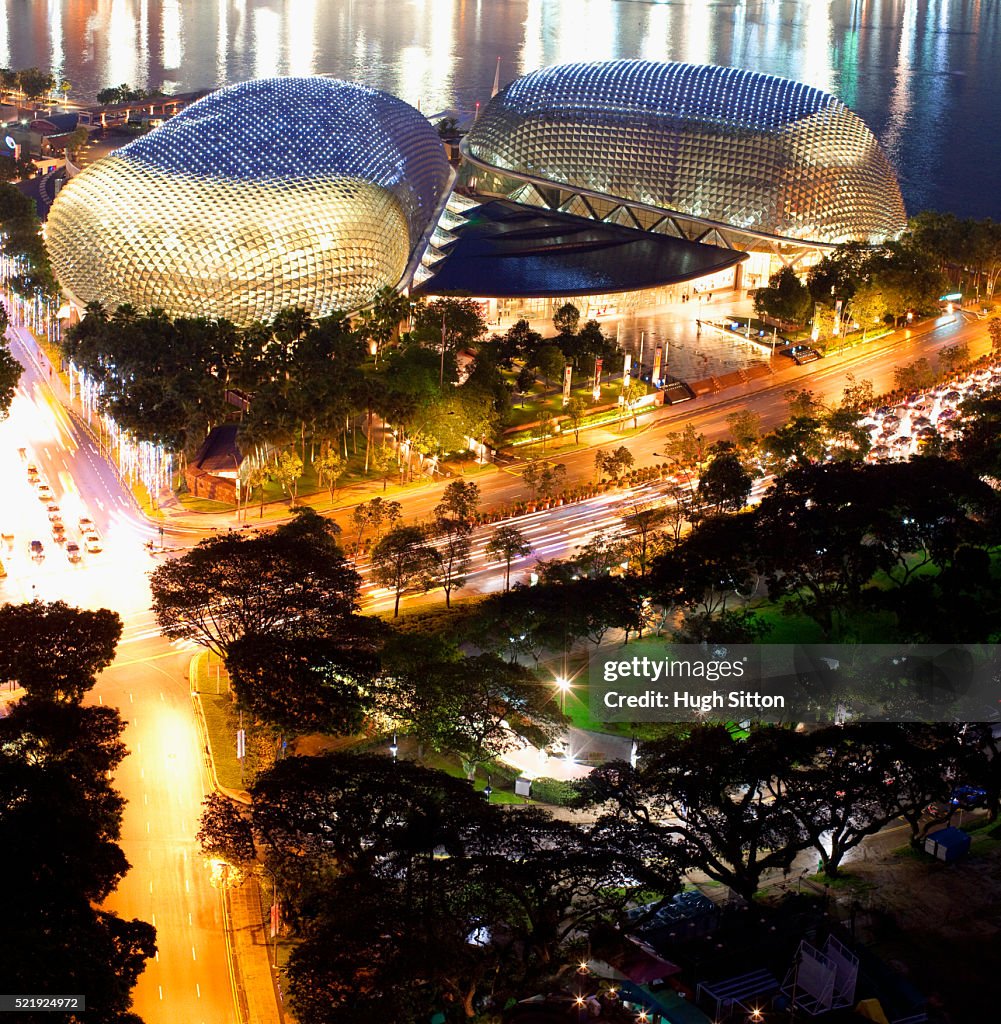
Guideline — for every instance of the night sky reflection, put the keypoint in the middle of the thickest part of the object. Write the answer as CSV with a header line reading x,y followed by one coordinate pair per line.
x,y
923,74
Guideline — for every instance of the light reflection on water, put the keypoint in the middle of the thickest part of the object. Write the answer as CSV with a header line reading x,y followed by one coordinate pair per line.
x,y
922,73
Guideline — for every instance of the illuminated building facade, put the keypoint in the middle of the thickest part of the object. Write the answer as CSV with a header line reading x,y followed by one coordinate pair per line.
x,y
270,194
720,155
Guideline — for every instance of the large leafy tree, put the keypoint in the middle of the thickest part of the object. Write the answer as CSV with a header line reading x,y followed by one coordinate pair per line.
x,y
59,822
725,485
478,708
843,784
305,684
702,798
813,526
54,650
786,298
10,369
292,581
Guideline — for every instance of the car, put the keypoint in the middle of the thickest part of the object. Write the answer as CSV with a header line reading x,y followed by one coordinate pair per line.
x,y
32,469
59,532
54,512
92,543
86,525
73,552
45,492
37,551
8,539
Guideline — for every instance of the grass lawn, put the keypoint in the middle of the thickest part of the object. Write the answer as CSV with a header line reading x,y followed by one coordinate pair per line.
x,y
222,721
499,793
193,504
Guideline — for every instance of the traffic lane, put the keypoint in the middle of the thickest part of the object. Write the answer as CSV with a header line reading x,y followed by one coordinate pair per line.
x,y
67,452
169,883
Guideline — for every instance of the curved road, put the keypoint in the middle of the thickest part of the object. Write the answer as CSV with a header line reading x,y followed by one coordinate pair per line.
x,y
163,778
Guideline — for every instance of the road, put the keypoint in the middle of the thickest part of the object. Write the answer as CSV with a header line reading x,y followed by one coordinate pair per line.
x,y
875,361
162,778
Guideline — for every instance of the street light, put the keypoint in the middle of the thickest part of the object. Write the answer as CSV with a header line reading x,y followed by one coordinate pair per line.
x,y
394,747
563,685
487,790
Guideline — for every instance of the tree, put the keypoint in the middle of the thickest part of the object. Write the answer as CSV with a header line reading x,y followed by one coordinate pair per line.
x,y
291,581
549,361
814,524
54,650
454,322
507,544
744,428
858,395
60,818
225,832
914,376
10,370
709,567
868,307
702,798
305,684
330,466
994,330
402,561
631,393
35,83
725,485
614,463
458,502
551,480
954,357
566,319
842,788
645,524
76,139
525,382
799,442
786,298
576,411
288,470
686,447
479,708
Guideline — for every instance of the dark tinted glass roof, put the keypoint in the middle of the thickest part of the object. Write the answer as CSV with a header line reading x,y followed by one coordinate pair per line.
x,y
508,250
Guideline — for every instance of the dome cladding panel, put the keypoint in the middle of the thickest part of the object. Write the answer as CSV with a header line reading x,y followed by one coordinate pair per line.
x,y
723,144
239,250
264,195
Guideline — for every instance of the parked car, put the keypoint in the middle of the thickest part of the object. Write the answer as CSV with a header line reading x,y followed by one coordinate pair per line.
x,y
54,512
59,532
37,551
45,492
92,543
73,552
86,525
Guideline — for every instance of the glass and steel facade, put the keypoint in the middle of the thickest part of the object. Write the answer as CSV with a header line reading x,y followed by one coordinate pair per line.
x,y
760,155
271,194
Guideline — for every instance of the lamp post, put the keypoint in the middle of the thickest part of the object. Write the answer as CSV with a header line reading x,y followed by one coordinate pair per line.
x,y
563,685
394,747
487,790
